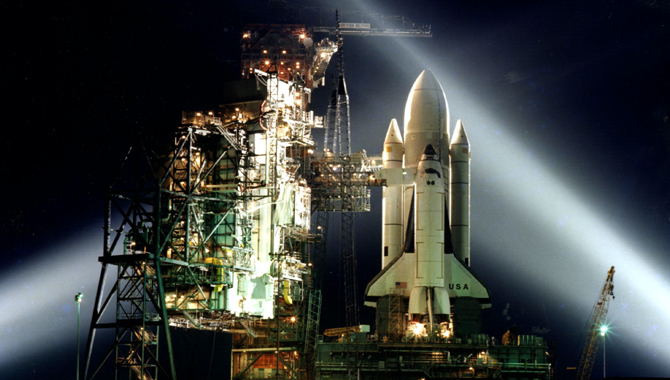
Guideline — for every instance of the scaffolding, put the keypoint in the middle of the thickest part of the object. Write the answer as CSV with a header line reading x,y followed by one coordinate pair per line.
x,y
213,233
373,360
287,49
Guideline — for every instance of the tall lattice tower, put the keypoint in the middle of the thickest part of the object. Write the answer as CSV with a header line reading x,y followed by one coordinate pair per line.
x,y
337,142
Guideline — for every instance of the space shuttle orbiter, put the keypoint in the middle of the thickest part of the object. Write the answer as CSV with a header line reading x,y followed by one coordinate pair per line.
x,y
426,210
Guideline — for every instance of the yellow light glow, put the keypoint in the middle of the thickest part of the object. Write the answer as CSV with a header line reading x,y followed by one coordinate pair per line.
x,y
302,36
245,35
417,329
267,62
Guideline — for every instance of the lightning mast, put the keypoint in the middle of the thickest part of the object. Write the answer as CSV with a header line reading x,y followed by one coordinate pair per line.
x,y
597,320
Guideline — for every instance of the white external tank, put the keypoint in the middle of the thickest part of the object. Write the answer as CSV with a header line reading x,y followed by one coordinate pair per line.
x,y
426,122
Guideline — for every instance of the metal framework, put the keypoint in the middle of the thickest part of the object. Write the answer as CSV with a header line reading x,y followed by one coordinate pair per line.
x,y
338,179
287,50
212,234
597,320
338,128
215,232
407,361
138,291
323,20
376,25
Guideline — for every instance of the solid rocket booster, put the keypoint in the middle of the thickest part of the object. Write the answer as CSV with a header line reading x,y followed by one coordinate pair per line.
x,y
459,208
392,211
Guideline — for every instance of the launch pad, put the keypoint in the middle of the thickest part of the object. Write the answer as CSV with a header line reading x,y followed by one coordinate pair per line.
x,y
473,359
216,232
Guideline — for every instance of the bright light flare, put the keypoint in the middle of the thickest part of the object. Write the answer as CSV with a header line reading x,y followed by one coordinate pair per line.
x,y
603,330
418,329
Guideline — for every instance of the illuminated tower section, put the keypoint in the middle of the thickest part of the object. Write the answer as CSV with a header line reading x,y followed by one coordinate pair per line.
x,y
287,50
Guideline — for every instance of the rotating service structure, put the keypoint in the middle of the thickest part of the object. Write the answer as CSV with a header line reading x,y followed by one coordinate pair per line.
x,y
213,233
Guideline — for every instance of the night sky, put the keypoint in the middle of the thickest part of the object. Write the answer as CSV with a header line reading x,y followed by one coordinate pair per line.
x,y
566,104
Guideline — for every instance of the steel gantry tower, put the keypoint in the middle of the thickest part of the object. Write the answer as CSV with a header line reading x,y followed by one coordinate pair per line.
x,y
337,142
348,169
214,232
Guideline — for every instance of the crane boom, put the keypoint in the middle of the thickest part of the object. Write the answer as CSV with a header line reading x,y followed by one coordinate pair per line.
x,y
597,321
